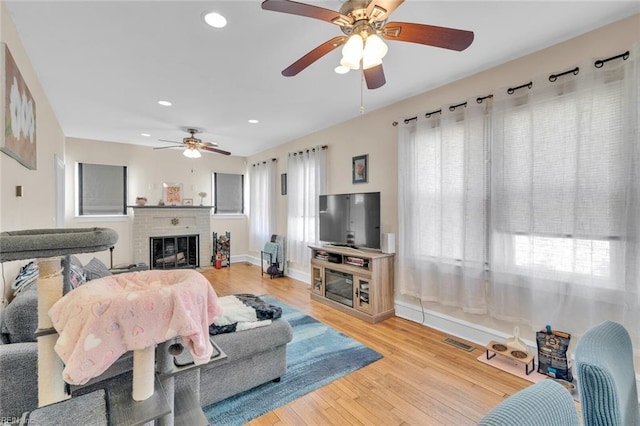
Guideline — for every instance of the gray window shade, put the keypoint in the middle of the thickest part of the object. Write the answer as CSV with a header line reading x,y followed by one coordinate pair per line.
x,y
102,189
229,193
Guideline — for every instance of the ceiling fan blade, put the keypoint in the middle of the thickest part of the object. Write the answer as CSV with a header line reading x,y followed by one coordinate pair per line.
x,y
374,77
208,144
310,11
164,140
447,38
313,56
166,147
219,151
379,10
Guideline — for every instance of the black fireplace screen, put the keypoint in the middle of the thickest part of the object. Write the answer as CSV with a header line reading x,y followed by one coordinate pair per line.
x,y
174,252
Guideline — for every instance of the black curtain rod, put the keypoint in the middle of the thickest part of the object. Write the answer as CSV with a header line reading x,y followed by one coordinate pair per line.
x,y
453,107
429,114
482,98
307,150
511,90
600,62
263,162
554,77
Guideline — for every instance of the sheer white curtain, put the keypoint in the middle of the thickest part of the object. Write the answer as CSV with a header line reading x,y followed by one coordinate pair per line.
x,y
565,200
530,212
263,203
442,220
306,180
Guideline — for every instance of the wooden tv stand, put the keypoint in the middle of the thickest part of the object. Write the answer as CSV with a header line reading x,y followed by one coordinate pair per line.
x,y
370,274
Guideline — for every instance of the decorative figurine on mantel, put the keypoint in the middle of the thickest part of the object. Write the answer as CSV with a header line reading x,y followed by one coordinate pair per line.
x,y
141,201
202,195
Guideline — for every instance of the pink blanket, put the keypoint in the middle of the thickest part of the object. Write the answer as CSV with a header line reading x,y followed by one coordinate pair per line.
x,y
103,319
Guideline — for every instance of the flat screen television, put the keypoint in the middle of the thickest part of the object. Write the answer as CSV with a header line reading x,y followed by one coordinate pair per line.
x,y
351,220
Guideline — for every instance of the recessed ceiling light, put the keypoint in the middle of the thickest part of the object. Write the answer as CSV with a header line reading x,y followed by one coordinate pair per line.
x,y
341,69
146,135
165,103
215,20
252,121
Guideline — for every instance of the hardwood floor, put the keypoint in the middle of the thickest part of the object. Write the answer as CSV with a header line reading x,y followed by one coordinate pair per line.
x,y
420,381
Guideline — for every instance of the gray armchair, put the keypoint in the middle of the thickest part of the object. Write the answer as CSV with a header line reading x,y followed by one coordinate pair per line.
x,y
606,378
544,403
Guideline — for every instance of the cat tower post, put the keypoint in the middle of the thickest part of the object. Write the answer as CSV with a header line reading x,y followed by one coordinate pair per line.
x,y
48,246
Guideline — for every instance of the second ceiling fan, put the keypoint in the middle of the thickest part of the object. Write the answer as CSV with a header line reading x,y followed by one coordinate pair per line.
x,y
363,22
193,145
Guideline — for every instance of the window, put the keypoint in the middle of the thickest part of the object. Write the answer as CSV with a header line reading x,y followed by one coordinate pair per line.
x,y
228,193
562,185
102,189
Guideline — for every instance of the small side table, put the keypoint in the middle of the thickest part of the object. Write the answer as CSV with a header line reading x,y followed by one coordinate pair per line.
x,y
524,358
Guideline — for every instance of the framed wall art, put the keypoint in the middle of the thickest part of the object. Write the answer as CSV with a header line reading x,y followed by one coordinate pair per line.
x,y
360,171
172,194
18,113
283,184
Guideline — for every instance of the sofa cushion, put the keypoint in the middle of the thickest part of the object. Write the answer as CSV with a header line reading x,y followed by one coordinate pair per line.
x,y
243,344
20,317
95,269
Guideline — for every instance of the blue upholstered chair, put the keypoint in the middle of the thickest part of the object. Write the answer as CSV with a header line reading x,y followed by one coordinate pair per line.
x,y
606,378
544,403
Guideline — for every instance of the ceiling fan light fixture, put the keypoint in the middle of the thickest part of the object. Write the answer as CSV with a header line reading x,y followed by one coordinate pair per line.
x,y
215,20
192,153
374,48
353,48
348,63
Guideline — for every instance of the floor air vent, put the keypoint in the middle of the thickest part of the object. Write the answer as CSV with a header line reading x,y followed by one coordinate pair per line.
x,y
458,344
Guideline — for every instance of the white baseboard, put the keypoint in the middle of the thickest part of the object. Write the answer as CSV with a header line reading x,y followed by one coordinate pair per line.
x,y
469,331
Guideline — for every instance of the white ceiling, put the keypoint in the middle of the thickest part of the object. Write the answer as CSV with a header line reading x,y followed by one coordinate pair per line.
x,y
105,64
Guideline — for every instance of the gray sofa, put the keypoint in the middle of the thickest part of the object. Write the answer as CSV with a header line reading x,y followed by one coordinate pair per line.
x,y
254,357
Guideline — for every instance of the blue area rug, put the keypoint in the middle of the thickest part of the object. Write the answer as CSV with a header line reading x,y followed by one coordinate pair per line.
x,y
316,356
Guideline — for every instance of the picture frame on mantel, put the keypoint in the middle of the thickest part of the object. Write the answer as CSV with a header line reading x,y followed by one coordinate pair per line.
x,y
172,194
187,201
359,169
18,136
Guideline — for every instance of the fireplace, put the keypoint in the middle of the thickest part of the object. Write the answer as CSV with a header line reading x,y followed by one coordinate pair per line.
x,y
171,252
171,221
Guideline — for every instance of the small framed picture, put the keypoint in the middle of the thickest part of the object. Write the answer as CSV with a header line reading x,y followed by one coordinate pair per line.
x,y
172,194
283,184
360,172
187,201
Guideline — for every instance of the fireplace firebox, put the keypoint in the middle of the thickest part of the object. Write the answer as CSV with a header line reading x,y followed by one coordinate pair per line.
x,y
174,252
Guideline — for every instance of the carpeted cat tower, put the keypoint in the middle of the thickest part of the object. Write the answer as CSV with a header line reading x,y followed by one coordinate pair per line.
x,y
48,246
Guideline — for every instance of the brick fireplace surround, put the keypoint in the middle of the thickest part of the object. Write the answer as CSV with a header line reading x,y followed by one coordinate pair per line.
x,y
167,221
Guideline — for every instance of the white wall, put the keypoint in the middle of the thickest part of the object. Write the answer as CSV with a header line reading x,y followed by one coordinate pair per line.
x,y
36,208
147,169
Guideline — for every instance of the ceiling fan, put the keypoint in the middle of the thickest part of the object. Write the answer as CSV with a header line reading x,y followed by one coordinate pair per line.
x,y
193,145
363,22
